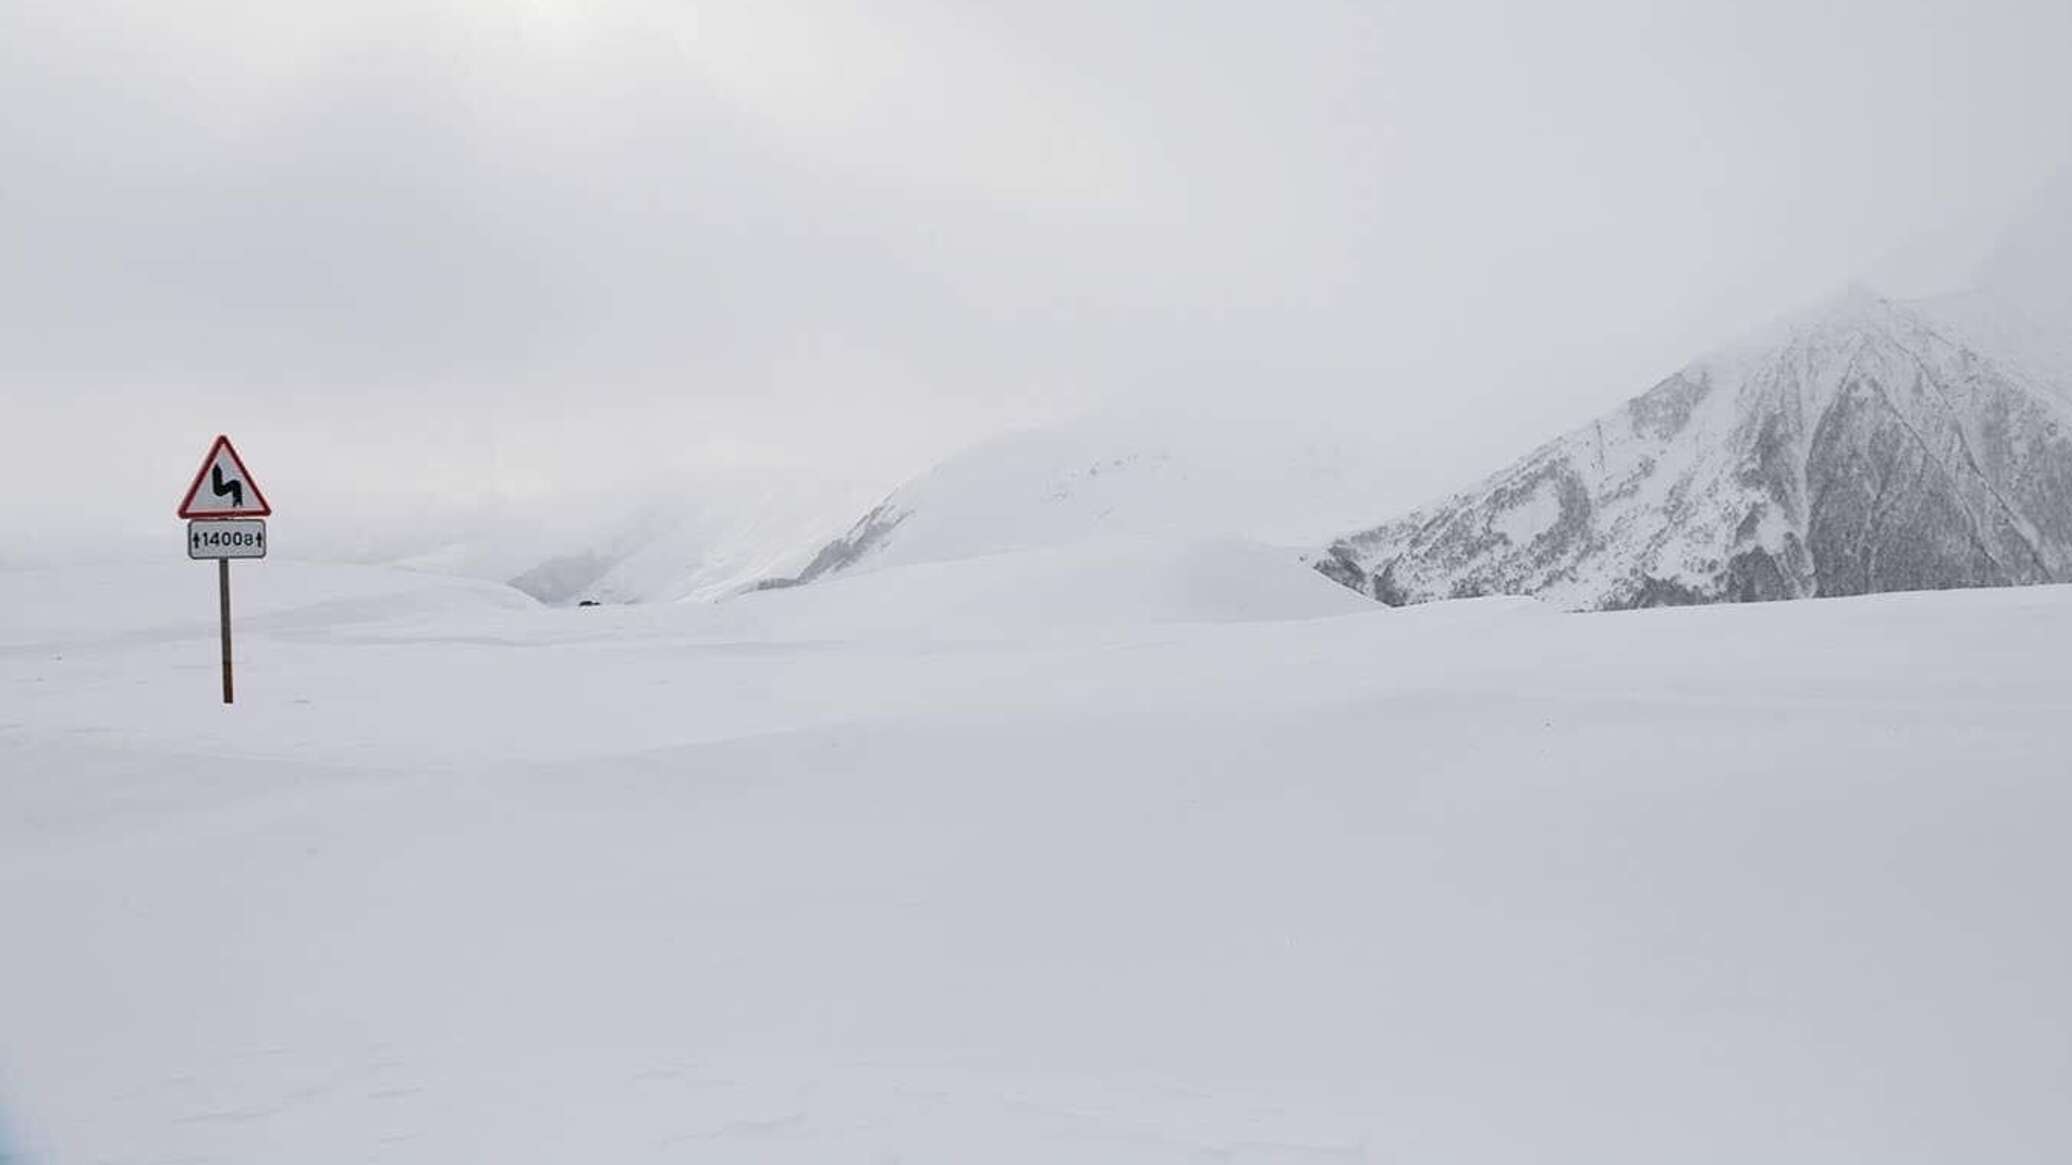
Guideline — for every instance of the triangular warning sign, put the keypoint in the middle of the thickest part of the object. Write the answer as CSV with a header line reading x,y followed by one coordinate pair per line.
x,y
223,487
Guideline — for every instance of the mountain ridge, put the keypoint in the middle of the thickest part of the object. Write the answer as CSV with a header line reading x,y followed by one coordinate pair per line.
x,y
1857,448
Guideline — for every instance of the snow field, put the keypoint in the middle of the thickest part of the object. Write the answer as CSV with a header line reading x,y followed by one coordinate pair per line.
x,y
1158,856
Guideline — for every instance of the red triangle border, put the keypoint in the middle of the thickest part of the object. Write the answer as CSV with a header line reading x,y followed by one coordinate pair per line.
x,y
222,442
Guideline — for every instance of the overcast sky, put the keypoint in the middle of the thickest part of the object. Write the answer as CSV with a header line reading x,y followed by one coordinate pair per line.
x,y
504,247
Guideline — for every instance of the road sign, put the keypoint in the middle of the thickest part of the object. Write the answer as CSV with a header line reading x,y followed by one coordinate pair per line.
x,y
224,506
226,538
223,487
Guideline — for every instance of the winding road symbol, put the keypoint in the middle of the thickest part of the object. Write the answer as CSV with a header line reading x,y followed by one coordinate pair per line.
x,y
232,489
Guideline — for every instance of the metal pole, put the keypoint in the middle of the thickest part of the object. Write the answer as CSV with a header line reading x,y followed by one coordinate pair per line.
x,y
223,611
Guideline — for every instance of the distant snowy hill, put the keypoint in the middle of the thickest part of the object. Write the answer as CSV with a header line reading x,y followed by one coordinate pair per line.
x,y
1866,446
1165,473
700,538
1141,581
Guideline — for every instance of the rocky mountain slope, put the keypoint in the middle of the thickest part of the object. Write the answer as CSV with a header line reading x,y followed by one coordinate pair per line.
x,y
1869,446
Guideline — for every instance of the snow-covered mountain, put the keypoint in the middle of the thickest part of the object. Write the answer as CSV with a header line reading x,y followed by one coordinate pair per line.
x,y
695,537
1866,446
1165,473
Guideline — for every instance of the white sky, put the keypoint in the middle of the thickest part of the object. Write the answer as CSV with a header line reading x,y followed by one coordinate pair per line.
x,y
482,249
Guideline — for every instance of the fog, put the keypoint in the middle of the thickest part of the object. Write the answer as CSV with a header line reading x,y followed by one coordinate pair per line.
x,y
427,261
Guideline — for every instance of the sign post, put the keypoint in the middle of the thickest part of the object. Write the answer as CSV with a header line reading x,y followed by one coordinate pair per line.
x,y
226,519
223,617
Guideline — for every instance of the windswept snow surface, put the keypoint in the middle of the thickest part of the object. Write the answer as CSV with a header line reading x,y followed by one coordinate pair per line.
x,y
811,877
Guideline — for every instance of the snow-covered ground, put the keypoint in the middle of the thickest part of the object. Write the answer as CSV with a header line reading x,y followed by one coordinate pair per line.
x,y
1134,852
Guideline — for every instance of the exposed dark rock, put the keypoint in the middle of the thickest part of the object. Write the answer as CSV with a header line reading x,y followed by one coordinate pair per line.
x,y
869,532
